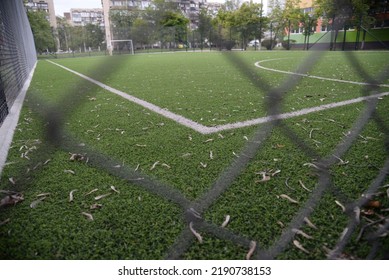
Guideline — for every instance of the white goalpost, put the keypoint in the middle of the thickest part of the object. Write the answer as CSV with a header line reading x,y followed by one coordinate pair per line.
x,y
129,44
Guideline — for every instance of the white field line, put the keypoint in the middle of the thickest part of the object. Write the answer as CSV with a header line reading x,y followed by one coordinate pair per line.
x,y
177,118
296,113
8,127
258,64
209,130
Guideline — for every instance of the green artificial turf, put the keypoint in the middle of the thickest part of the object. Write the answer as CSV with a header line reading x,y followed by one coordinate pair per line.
x,y
210,88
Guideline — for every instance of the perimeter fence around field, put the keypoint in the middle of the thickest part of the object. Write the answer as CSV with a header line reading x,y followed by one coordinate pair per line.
x,y
17,52
58,139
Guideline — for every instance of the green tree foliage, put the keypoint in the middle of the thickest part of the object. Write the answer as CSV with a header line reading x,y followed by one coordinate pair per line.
x,y
43,35
170,19
121,22
74,38
205,22
142,31
242,24
169,24
247,19
93,36
205,28
286,17
63,30
346,12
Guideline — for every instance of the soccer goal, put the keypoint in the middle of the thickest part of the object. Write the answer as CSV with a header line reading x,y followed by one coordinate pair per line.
x,y
121,46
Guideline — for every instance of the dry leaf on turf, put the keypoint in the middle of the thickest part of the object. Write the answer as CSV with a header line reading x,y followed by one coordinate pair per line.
x,y
43,194
88,216
300,232
92,191
299,246
226,221
11,199
36,202
114,189
6,221
195,233
154,165
102,196
265,177
71,195
253,245
309,223
373,204
96,206
341,205
289,198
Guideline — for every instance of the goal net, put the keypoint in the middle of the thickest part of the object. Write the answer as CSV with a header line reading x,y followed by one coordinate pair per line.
x,y
121,46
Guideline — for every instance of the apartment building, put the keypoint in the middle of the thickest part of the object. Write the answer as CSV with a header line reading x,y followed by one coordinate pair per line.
x,y
46,6
82,17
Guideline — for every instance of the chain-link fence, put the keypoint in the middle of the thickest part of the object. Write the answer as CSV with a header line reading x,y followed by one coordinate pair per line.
x,y
17,51
54,118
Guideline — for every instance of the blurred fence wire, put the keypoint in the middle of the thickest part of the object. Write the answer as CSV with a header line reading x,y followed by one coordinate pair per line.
x,y
17,53
58,139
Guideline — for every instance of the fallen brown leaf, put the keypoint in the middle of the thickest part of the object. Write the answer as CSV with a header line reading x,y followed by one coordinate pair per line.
x,y
195,233
114,189
374,204
299,246
71,195
102,196
36,202
92,191
11,199
252,247
96,206
284,196
226,221
88,216
6,221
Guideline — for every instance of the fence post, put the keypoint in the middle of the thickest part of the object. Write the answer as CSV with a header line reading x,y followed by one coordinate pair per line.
x,y
344,37
288,48
271,35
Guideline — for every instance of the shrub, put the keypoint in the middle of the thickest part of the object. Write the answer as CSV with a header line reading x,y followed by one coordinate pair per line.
x,y
285,43
266,43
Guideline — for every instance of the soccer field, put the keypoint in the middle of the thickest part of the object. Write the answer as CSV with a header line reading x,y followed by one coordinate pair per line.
x,y
201,156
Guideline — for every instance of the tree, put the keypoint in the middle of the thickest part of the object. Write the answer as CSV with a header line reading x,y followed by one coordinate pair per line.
x,y
243,23
205,27
345,13
43,34
247,19
121,22
177,22
94,36
142,32
286,16
355,12
63,29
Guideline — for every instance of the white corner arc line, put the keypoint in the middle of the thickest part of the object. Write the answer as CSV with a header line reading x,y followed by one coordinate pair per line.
x,y
209,130
258,64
